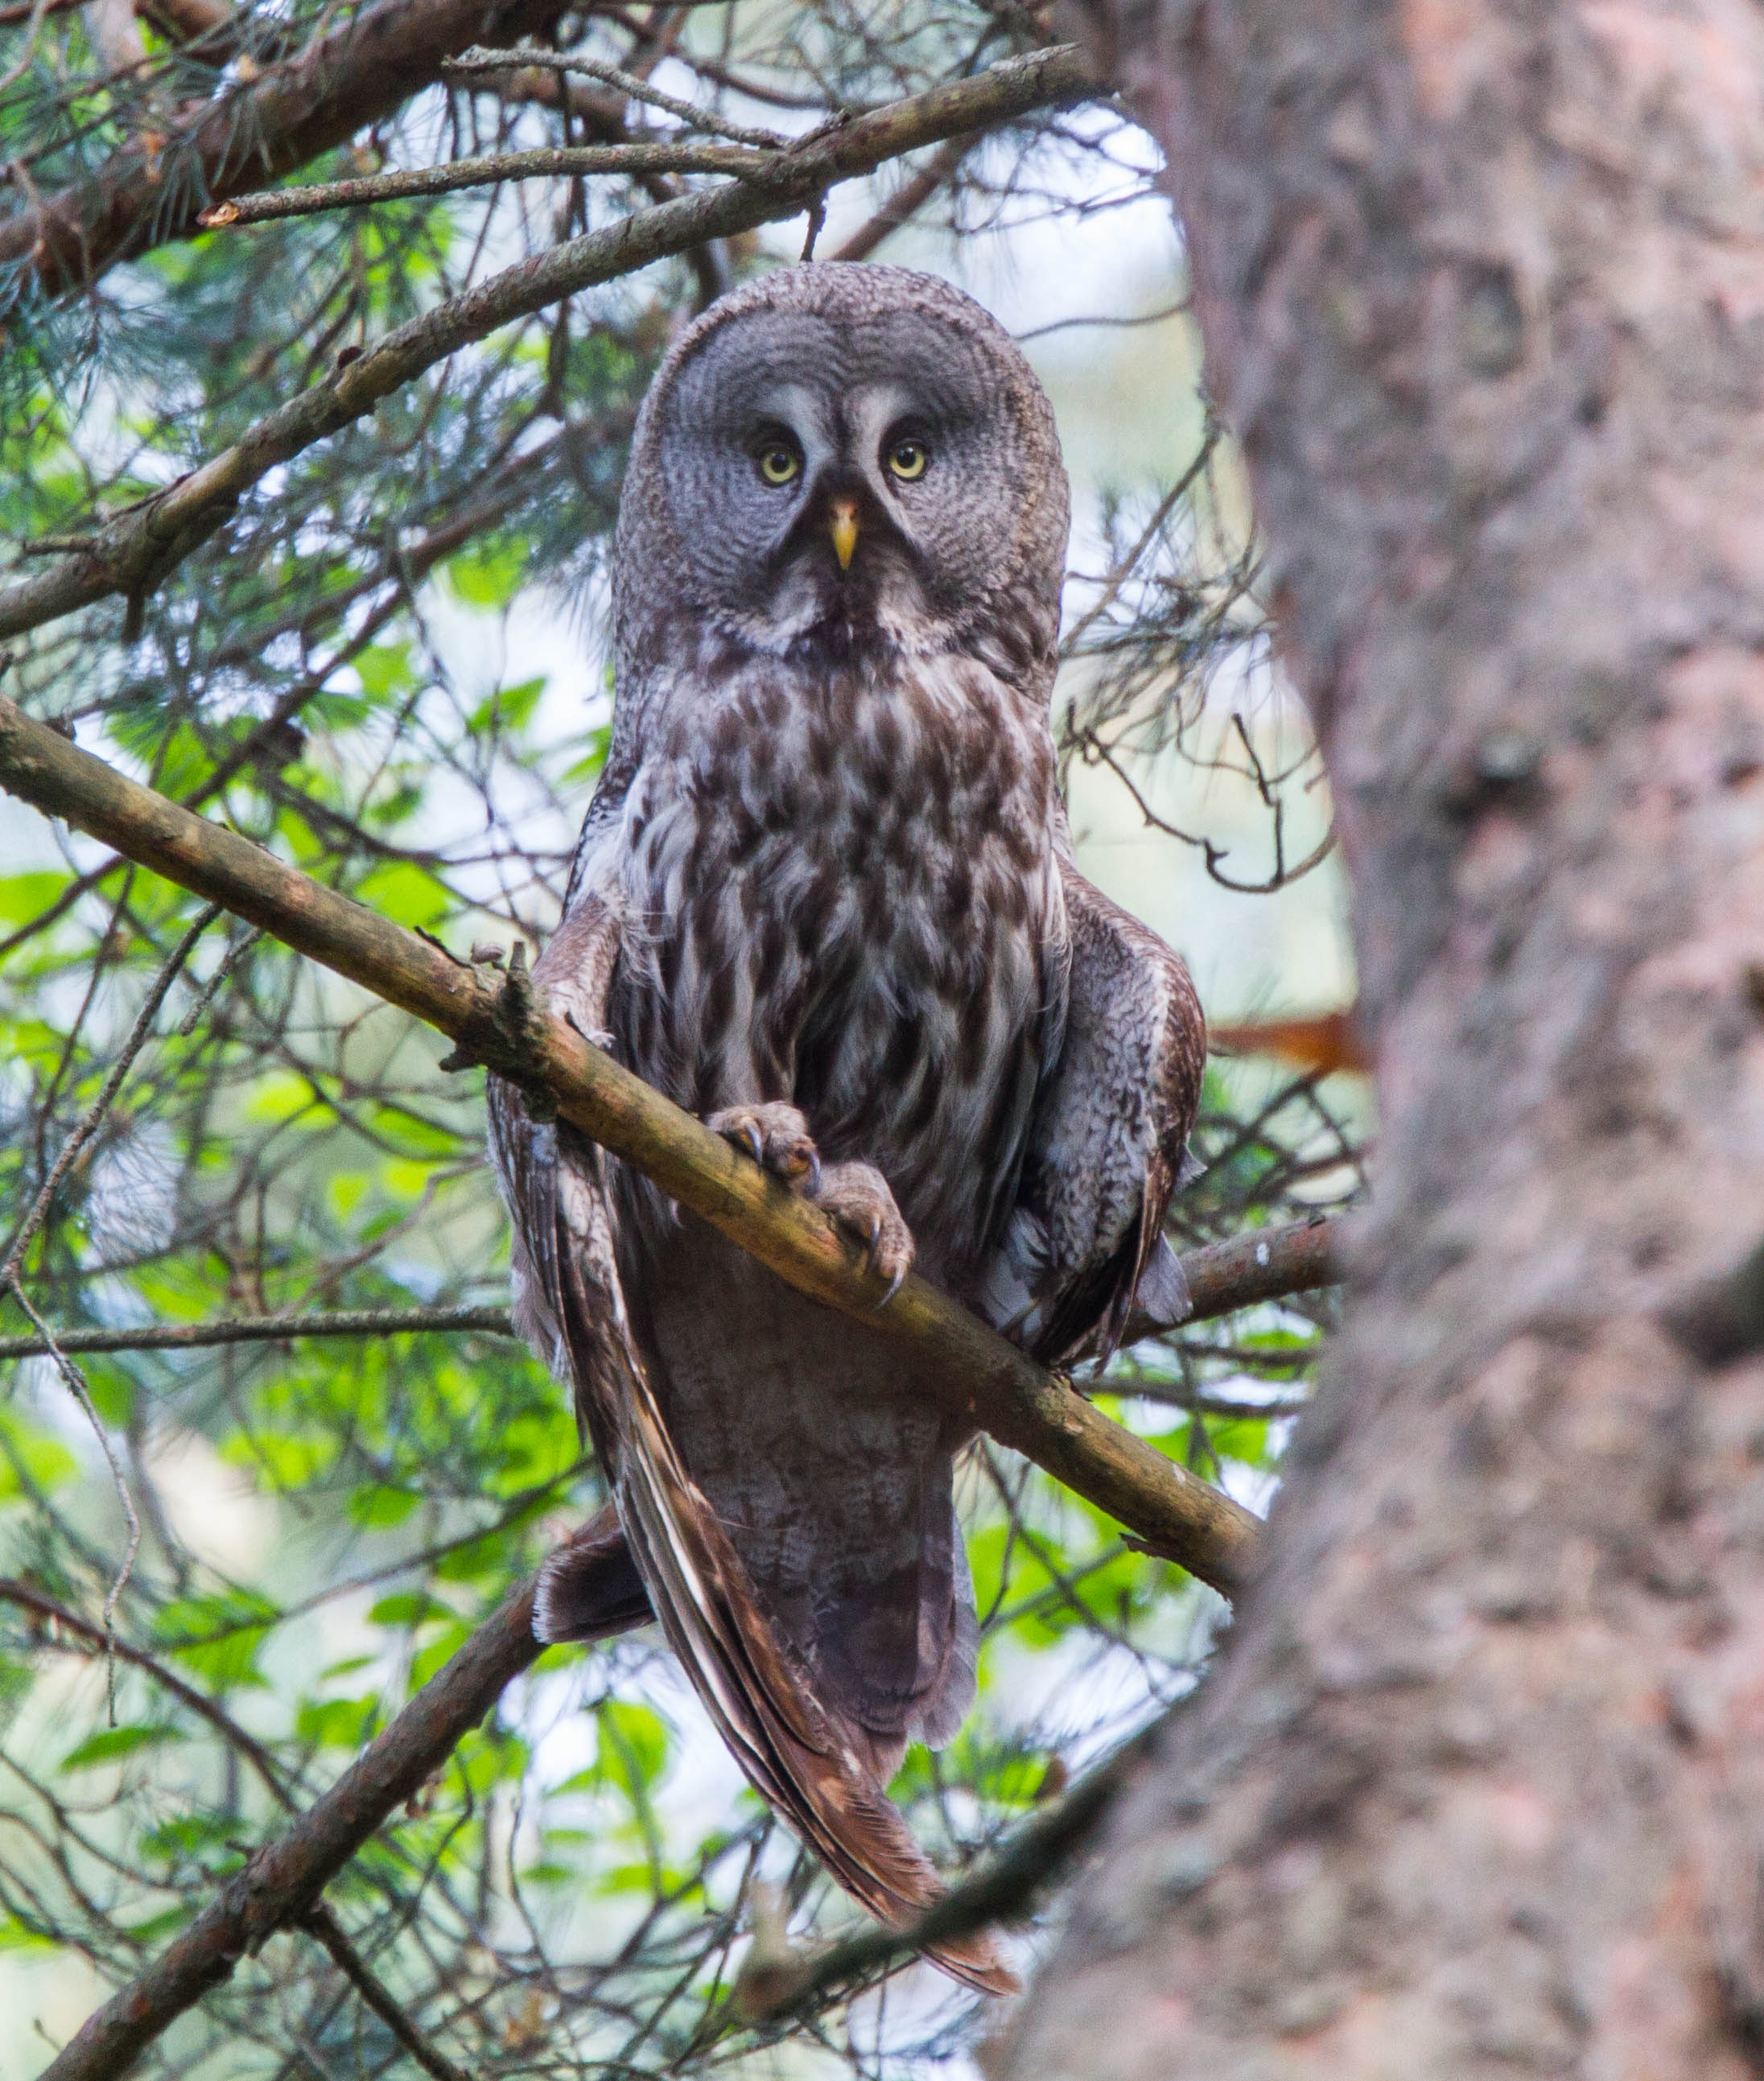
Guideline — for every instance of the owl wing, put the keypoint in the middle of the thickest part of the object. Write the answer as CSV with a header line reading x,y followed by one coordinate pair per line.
x,y
570,1306
1108,1143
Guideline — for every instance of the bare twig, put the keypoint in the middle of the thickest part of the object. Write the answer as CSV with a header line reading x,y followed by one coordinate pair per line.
x,y
568,162
319,1921
81,1391
1261,1264
82,1134
478,59
79,1140
279,1885
267,1329
987,1380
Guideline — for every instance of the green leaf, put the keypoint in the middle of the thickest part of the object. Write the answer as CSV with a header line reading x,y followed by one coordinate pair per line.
x,y
110,1743
404,892
488,573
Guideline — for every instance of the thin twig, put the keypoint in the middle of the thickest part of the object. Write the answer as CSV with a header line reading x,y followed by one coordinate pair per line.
x,y
283,1879
80,1390
229,1728
267,1329
112,1084
77,1142
319,1921
478,59
571,162
907,201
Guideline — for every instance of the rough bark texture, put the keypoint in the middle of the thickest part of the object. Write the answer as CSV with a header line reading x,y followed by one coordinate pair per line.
x,y
1478,1788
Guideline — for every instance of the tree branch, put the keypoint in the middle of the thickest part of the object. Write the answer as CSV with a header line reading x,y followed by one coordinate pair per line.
x,y
134,552
561,162
494,1022
1003,1890
265,1329
1261,1264
319,1921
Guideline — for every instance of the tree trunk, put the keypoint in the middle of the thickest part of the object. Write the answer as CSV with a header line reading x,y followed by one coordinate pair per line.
x,y
1478,1786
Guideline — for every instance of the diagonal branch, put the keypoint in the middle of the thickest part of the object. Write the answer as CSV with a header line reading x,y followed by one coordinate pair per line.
x,y
546,163
988,1382
136,551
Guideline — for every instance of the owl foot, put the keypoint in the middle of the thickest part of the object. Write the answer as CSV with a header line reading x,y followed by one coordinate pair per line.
x,y
777,1138
857,1197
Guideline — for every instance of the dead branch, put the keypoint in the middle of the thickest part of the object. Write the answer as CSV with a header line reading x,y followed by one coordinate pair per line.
x,y
477,60
137,551
266,1329
546,163
1262,1264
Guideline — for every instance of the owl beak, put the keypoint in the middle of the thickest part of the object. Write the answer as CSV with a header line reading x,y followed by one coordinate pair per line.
x,y
842,525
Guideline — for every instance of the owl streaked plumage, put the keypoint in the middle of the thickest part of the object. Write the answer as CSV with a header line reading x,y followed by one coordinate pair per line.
x,y
825,897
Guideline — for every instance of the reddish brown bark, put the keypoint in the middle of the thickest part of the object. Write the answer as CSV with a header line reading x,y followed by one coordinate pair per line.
x,y
1478,1787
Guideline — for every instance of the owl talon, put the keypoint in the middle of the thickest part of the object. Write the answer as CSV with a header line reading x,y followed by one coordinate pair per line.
x,y
777,1138
857,1197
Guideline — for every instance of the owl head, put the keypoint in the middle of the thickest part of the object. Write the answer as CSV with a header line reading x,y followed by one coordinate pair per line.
x,y
845,457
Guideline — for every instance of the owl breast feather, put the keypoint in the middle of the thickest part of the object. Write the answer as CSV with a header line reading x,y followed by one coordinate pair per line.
x,y
843,888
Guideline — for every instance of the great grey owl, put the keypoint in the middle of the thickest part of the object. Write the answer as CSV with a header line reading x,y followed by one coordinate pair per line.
x,y
825,897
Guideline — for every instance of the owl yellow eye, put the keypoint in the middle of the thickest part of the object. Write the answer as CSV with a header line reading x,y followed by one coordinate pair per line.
x,y
907,459
778,464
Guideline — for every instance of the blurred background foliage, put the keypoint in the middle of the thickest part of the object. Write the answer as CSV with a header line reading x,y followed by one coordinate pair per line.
x,y
388,667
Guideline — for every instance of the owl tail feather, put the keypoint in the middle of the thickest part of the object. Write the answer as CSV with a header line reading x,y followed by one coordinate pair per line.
x,y
795,1753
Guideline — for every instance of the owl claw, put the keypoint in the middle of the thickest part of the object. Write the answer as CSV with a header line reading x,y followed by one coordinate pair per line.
x,y
776,1136
857,1197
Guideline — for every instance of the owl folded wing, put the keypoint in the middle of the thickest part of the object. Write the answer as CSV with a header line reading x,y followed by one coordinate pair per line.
x,y
569,1304
1108,1145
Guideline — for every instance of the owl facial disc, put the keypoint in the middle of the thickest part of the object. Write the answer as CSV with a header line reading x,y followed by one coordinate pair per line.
x,y
847,458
